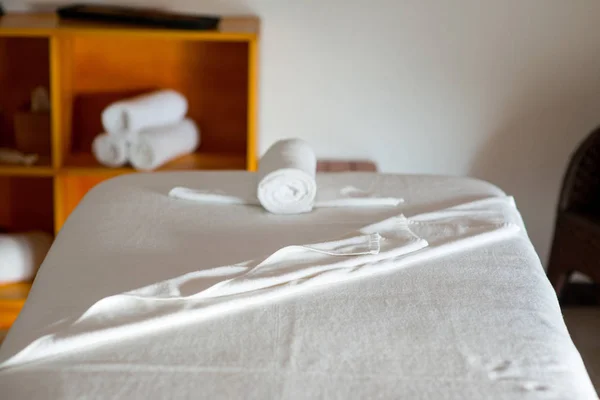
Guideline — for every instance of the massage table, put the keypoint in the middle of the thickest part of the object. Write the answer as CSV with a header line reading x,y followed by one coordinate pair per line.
x,y
478,321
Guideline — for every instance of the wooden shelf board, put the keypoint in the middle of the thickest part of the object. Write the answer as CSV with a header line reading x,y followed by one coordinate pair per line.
x,y
20,170
41,168
86,164
14,294
230,28
12,299
26,25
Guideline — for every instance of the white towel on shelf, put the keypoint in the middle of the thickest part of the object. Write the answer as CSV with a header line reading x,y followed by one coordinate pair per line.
x,y
156,146
21,254
286,177
158,108
110,150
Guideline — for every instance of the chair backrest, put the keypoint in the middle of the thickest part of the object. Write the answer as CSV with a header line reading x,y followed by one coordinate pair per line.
x,y
581,184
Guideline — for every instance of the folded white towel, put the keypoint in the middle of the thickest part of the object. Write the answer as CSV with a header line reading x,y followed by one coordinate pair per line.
x,y
286,178
156,146
158,108
329,200
21,255
110,150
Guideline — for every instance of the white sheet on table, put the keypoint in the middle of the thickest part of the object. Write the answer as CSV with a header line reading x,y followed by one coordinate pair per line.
x,y
481,323
381,247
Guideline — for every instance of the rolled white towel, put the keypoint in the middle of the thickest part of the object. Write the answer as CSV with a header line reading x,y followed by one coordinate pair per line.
x,y
110,150
286,178
156,146
158,108
21,254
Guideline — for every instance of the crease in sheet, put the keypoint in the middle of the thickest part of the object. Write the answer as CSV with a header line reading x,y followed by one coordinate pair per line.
x,y
385,246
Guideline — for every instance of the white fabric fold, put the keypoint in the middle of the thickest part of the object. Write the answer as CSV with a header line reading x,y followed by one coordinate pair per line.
x,y
286,178
156,146
329,200
110,150
383,247
162,107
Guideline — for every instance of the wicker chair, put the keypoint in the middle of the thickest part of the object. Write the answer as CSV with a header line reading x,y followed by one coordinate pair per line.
x,y
576,245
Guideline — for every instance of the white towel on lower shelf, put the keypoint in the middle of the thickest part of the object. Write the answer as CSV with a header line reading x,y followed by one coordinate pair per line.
x,y
286,178
162,107
382,247
156,146
110,150
21,254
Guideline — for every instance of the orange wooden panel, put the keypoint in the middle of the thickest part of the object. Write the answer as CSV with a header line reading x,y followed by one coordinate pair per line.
x,y
12,299
73,188
26,203
251,149
24,65
43,169
8,317
13,295
64,99
212,75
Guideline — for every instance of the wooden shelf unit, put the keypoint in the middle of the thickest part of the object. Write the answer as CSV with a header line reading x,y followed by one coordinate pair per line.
x,y
87,66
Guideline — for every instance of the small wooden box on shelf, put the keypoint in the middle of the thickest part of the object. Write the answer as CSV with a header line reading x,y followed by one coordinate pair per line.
x,y
86,66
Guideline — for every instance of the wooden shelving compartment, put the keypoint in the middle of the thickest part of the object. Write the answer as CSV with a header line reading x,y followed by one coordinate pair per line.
x,y
26,203
88,66
213,76
24,66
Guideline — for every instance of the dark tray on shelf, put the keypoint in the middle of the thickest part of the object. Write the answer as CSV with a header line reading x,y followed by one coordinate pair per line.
x,y
138,16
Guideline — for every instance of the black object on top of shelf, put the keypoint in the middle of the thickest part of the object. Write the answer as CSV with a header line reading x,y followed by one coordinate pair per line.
x,y
138,16
1,10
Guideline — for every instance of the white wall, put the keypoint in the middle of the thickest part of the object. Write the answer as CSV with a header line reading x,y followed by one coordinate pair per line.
x,y
500,90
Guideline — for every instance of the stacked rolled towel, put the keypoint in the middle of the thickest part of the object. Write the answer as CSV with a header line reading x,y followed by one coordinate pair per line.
x,y
21,254
110,150
147,130
287,184
155,146
162,107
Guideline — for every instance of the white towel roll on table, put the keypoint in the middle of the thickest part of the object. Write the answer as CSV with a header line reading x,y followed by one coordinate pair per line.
x,y
21,254
158,108
287,185
110,150
156,146
286,178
